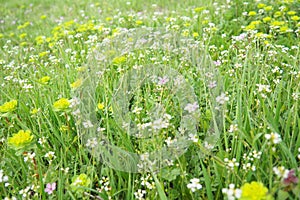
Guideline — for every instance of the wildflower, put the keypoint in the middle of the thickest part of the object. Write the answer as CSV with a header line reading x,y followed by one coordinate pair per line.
x,y
231,163
163,80
295,18
267,19
44,80
92,143
21,139
79,181
104,184
193,137
191,107
8,106
35,111
261,5
254,191
29,156
3,178
194,184
232,192
268,8
50,187
281,172
61,104
222,98
275,138
291,12
119,60
76,84
100,106
140,194
291,178
252,13
75,101
233,128
87,124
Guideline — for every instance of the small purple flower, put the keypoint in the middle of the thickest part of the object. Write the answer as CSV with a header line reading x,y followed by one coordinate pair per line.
x,y
217,63
50,187
162,80
291,178
191,107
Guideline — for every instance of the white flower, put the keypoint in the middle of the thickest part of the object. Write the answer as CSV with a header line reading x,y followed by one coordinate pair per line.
x,y
74,102
193,138
233,128
160,124
281,172
275,138
191,107
29,156
232,192
194,184
170,141
87,124
92,143
222,98
2,177
50,155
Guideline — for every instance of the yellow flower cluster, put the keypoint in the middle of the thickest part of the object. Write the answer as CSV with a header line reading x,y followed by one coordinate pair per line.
x,y
20,139
9,106
254,191
61,105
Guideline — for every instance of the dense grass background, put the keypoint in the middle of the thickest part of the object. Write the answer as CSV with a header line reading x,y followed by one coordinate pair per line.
x,y
45,48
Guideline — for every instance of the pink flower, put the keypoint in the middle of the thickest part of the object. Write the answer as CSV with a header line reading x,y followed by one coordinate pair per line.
x,y
50,187
291,178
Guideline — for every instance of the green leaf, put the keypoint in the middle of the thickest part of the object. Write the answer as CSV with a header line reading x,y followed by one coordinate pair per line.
x,y
170,175
282,195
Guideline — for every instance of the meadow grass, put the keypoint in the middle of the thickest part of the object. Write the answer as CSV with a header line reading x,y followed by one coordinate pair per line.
x,y
149,99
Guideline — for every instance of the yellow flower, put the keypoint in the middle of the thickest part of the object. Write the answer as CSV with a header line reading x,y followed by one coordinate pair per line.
x,y
268,8
23,44
277,23
80,69
76,84
23,35
80,181
285,29
119,60
254,191
261,5
44,53
100,106
1,35
295,18
43,17
44,80
252,13
185,33
139,22
199,9
277,14
195,34
9,106
34,111
267,19
291,12
61,104
20,139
